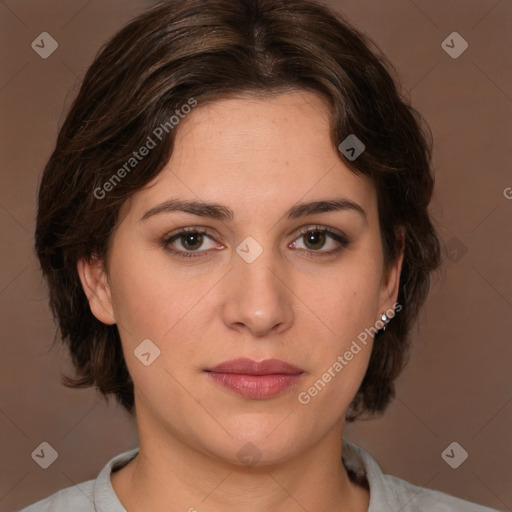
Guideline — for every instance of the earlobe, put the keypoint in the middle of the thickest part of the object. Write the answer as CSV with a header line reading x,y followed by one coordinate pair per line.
x,y
96,287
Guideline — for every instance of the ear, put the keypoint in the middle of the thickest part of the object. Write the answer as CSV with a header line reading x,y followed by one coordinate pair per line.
x,y
97,289
391,280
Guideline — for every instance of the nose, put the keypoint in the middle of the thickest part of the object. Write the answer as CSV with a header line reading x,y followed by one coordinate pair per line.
x,y
258,297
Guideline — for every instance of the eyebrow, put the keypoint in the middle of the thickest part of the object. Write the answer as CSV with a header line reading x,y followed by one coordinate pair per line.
x,y
223,213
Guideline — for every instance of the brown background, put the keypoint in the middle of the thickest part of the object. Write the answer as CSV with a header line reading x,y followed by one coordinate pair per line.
x,y
457,386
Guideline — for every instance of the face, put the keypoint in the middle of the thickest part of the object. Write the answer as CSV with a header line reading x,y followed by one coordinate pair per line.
x,y
266,277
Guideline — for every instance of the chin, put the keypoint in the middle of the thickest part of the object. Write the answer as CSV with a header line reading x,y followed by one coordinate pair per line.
x,y
258,441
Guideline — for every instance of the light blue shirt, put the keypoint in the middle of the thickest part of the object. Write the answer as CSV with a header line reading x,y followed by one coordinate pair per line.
x,y
387,493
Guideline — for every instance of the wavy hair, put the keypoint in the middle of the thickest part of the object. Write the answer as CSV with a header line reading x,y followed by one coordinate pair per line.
x,y
210,50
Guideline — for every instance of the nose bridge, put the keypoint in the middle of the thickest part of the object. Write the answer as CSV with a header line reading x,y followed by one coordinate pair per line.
x,y
259,261
258,298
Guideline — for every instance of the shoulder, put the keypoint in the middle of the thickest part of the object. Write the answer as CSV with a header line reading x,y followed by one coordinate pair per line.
x,y
88,496
78,498
389,492
417,499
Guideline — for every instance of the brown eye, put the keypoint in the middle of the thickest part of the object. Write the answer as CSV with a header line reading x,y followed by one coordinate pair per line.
x,y
314,239
320,241
191,241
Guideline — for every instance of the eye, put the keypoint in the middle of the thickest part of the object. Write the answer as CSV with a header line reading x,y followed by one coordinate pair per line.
x,y
316,238
187,242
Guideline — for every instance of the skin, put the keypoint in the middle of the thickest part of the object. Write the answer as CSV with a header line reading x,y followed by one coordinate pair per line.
x,y
259,157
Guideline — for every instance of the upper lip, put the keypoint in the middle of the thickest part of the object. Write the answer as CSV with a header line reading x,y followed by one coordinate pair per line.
x,y
249,367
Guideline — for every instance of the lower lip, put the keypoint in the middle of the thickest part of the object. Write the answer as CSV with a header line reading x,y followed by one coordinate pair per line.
x,y
257,387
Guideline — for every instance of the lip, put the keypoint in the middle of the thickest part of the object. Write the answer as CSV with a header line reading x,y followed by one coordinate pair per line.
x,y
256,380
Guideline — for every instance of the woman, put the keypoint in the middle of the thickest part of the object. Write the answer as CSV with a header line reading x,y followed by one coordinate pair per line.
x,y
234,230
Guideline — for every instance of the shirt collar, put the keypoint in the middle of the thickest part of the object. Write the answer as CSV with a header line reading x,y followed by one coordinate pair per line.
x,y
382,496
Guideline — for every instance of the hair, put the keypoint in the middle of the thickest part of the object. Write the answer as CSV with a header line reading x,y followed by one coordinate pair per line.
x,y
206,50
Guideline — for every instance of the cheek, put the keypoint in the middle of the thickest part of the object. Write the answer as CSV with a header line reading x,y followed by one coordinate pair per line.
x,y
155,305
347,305
349,301
340,358
152,301
172,310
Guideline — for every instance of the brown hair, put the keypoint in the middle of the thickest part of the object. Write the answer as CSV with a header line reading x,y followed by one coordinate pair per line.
x,y
208,50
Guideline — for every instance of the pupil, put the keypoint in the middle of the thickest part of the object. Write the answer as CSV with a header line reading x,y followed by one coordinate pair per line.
x,y
191,239
310,238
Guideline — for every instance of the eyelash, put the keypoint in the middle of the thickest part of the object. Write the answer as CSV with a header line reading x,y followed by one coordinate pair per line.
x,y
341,239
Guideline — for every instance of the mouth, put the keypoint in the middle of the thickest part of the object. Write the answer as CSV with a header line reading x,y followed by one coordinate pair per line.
x,y
256,380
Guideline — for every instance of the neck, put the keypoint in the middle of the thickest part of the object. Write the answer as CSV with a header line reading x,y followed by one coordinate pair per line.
x,y
171,474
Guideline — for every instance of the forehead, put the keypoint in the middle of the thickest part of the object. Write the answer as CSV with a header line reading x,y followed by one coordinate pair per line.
x,y
261,152
293,125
